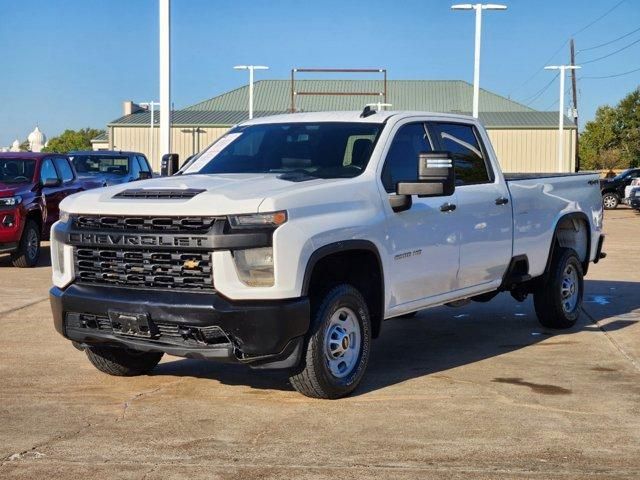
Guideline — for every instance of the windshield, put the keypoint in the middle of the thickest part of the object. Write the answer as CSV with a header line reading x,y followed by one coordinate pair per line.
x,y
623,174
16,170
95,164
323,150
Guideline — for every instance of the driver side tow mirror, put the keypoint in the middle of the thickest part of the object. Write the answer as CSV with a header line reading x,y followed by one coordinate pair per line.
x,y
51,182
436,178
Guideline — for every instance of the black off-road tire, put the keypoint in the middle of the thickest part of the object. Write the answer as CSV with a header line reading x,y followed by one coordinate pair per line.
x,y
122,363
610,200
313,376
29,247
548,299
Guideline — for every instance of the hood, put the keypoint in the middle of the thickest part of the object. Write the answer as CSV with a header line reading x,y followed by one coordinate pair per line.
x,y
12,189
221,195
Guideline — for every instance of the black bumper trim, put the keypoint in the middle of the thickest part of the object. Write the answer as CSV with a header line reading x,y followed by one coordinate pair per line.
x,y
262,332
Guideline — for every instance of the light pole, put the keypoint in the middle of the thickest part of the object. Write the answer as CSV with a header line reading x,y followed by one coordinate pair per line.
x,y
478,7
165,76
563,69
251,68
151,106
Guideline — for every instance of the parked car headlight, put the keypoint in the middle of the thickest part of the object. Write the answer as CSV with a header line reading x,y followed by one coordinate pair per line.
x,y
257,220
10,201
255,266
637,194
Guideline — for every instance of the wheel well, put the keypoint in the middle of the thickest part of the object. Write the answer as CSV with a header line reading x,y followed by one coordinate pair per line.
x,y
36,217
573,231
359,267
610,190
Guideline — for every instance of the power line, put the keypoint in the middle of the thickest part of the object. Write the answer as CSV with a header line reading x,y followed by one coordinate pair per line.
x,y
537,95
609,42
611,76
599,18
566,92
539,69
612,53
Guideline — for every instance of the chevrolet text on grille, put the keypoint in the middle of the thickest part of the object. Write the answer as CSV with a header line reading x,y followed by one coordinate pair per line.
x,y
141,240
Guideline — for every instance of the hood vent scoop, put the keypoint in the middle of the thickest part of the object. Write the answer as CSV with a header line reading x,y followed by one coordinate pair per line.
x,y
159,194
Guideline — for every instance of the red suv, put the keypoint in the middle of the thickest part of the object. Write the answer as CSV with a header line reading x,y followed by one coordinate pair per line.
x,y
32,185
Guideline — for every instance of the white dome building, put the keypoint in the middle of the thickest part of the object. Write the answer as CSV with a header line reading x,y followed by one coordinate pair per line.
x,y
15,146
37,140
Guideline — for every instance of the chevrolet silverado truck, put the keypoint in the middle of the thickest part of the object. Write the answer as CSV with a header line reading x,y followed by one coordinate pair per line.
x,y
288,241
31,187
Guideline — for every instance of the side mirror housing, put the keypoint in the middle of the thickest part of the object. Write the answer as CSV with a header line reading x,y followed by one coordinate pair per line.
x,y
170,164
436,176
51,182
144,175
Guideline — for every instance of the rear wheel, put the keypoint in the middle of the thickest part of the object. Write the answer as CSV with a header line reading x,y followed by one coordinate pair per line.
x,y
558,301
29,247
121,362
610,201
337,351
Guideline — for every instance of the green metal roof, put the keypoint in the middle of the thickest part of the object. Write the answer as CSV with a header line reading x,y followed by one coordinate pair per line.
x,y
423,95
103,137
273,97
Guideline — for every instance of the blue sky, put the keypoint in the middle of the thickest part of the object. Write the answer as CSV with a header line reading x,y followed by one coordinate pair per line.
x,y
70,64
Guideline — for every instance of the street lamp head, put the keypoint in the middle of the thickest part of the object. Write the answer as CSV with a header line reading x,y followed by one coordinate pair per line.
x,y
250,67
260,67
240,67
485,6
494,6
562,67
462,6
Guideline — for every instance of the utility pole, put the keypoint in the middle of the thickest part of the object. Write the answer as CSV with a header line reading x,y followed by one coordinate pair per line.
x,y
478,7
563,69
575,103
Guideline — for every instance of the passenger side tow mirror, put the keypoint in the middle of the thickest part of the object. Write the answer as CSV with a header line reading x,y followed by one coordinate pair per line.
x,y
51,182
169,164
144,175
436,176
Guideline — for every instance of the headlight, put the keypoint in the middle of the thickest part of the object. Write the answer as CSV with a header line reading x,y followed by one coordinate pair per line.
x,y
64,216
637,194
10,201
255,266
273,219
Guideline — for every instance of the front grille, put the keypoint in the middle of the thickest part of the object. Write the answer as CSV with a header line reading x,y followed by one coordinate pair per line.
x,y
157,268
159,194
144,224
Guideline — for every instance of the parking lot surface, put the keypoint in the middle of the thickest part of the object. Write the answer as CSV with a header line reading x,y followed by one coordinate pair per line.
x,y
481,391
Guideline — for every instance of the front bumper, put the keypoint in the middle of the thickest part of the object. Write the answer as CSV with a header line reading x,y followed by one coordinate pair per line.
x,y
634,202
263,334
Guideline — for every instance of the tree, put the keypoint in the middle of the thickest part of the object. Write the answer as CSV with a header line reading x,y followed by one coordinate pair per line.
x,y
25,146
612,139
72,140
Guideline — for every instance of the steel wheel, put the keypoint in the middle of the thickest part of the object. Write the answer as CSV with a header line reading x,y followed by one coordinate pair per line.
x,y
569,289
342,342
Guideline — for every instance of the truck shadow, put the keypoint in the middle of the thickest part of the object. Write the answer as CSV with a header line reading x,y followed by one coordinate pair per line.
x,y
443,338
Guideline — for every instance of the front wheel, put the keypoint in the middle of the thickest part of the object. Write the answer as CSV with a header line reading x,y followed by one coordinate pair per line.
x,y
29,247
610,201
558,301
337,351
122,363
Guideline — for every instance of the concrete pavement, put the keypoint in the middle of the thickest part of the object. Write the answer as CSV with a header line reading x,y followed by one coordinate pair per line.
x,y
476,392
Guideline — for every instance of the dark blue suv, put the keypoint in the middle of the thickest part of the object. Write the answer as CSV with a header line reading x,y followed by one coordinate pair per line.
x,y
111,167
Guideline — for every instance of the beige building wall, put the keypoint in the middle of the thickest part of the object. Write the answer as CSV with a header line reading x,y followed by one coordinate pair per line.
x,y
185,141
534,151
518,150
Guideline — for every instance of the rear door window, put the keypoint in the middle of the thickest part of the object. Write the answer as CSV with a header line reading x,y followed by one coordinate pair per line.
x,y
461,141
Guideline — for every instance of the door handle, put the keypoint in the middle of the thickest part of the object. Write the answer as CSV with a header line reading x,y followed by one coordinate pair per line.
x,y
502,201
447,207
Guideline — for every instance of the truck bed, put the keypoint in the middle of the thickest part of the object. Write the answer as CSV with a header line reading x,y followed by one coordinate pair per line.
x,y
509,177
538,202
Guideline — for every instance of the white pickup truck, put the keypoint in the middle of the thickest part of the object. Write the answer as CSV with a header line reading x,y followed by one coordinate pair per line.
x,y
287,242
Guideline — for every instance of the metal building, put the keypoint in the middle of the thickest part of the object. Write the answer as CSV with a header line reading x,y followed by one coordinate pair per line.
x,y
525,140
